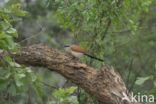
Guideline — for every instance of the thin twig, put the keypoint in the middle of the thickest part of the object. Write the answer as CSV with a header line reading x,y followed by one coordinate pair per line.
x,y
33,36
129,71
107,28
53,87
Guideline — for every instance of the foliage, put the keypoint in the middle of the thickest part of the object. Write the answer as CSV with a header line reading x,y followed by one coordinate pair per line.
x,y
98,23
63,96
118,30
7,32
141,80
15,80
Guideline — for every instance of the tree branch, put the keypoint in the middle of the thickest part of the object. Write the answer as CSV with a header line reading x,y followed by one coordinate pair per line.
x,y
105,85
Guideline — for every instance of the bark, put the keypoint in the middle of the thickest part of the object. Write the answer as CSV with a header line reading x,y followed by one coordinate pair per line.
x,y
105,85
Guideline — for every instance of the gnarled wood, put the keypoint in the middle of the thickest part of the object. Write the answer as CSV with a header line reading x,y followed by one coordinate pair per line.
x,y
105,85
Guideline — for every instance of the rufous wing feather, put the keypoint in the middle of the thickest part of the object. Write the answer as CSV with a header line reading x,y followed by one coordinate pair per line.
x,y
77,48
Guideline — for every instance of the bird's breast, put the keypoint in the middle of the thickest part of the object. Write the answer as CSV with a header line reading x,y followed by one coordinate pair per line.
x,y
77,54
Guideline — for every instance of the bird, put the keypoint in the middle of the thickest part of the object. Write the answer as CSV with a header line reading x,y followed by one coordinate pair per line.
x,y
78,52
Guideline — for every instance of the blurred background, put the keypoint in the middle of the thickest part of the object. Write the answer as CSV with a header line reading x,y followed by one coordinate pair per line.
x,y
121,32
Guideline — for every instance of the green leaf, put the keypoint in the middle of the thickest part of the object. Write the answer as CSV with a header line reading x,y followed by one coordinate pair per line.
x,y
72,100
19,83
12,31
71,89
16,9
63,93
21,75
141,80
19,79
33,78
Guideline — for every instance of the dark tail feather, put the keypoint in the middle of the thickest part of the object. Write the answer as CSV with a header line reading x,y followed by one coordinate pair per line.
x,y
94,57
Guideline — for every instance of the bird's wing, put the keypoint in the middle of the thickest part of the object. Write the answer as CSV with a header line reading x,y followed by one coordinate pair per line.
x,y
77,48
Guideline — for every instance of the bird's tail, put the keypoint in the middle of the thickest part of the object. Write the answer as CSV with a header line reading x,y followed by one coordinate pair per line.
x,y
94,57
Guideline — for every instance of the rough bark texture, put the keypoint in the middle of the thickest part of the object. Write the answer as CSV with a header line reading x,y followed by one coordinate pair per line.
x,y
105,85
